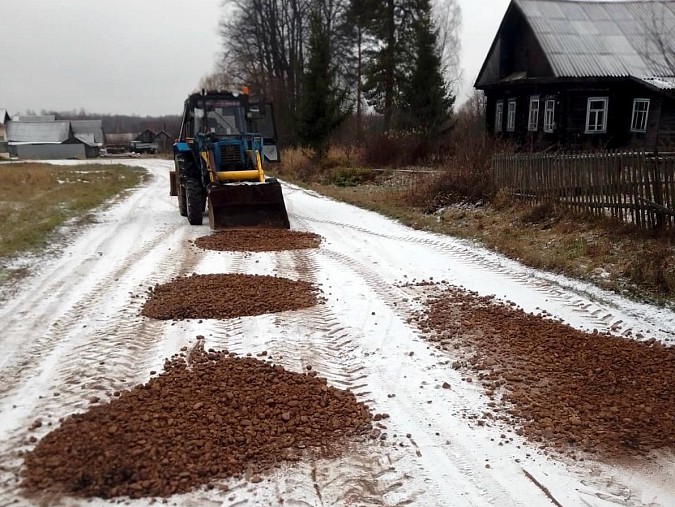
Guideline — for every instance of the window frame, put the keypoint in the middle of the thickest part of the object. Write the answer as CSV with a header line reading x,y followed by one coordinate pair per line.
x,y
605,110
533,126
645,120
511,115
549,126
499,116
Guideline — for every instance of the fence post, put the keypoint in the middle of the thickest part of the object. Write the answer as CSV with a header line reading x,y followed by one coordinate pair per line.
x,y
657,192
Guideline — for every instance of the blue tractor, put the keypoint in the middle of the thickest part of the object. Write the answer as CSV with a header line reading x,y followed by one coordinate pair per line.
x,y
224,142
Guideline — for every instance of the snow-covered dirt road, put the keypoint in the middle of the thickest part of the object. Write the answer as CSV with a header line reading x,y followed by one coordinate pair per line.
x,y
74,331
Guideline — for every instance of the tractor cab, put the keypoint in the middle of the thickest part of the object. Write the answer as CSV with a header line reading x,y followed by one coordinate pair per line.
x,y
224,141
220,118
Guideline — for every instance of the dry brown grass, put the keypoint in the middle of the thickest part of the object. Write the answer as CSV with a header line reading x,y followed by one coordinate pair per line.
x,y
35,199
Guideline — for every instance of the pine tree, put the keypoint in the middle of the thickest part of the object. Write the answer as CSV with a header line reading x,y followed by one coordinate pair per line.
x,y
323,105
390,26
426,101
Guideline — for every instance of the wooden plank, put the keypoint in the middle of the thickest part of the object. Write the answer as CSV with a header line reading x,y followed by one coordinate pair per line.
x,y
644,190
668,167
611,190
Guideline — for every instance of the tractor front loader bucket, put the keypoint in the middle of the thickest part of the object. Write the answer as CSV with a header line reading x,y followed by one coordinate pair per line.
x,y
242,205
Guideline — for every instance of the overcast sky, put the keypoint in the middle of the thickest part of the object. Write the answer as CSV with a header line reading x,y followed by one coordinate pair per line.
x,y
142,56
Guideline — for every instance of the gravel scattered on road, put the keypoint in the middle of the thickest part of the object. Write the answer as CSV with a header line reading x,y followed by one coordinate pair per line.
x,y
258,240
208,415
225,296
574,390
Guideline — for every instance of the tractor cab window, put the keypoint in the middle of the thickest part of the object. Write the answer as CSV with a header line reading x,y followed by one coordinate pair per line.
x,y
222,118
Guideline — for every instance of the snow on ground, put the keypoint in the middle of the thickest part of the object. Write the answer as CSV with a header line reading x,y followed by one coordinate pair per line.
x,y
74,331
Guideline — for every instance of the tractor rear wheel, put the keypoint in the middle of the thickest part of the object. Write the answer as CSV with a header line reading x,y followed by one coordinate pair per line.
x,y
194,201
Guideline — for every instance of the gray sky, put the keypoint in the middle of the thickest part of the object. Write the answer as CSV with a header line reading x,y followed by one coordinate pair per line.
x,y
142,56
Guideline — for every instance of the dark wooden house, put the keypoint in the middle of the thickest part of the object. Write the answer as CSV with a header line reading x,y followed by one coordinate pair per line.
x,y
583,75
163,141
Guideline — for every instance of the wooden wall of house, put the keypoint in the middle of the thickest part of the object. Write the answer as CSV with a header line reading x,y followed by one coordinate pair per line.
x,y
666,140
145,137
619,116
571,115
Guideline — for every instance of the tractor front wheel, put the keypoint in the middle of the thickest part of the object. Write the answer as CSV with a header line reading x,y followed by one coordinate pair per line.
x,y
194,200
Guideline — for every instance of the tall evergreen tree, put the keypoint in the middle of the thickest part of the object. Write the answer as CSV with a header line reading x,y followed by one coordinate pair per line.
x,y
388,61
426,100
323,105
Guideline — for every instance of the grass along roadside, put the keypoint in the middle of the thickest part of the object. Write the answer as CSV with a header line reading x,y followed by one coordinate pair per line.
x,y
612,256
37,198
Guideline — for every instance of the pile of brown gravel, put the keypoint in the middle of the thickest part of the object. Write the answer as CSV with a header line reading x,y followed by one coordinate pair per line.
x,y
227,296
258,240
212,416
576,390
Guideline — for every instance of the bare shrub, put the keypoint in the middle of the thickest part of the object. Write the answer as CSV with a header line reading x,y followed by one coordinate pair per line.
x,y
295,164
394,149
540,213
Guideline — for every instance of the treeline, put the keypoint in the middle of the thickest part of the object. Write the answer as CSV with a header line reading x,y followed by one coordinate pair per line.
x,y
329,66
122,124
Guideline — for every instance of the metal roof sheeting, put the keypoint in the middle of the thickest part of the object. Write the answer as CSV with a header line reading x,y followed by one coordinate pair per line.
x,y
88,127
38,132
603,39
36,118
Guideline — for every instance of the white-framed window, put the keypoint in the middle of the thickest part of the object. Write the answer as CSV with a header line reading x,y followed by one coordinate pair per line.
x,y
596,115
499,115
549,115
511,115
640,115
533,117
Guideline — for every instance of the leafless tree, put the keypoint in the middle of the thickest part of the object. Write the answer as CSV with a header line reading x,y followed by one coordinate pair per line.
x,y
657,45
448,20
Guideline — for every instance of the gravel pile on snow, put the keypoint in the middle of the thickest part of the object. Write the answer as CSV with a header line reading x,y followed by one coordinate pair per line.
x,y
258,240
210,416
579,391
224,296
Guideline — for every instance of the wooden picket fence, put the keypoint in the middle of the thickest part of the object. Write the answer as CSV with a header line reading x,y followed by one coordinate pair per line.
x,y
630,186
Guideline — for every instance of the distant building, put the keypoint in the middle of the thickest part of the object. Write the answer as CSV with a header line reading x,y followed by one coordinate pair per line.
x,y
163,141
118,143
582,74
144,142
4,119
46,140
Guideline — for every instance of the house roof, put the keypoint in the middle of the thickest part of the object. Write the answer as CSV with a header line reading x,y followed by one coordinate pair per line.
x,y
3,116
602,39
36,118
88,139
88,128
38,132
162,133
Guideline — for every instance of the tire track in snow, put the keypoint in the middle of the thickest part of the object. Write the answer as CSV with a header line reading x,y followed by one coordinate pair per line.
x,y
457,459
595,313
319,338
